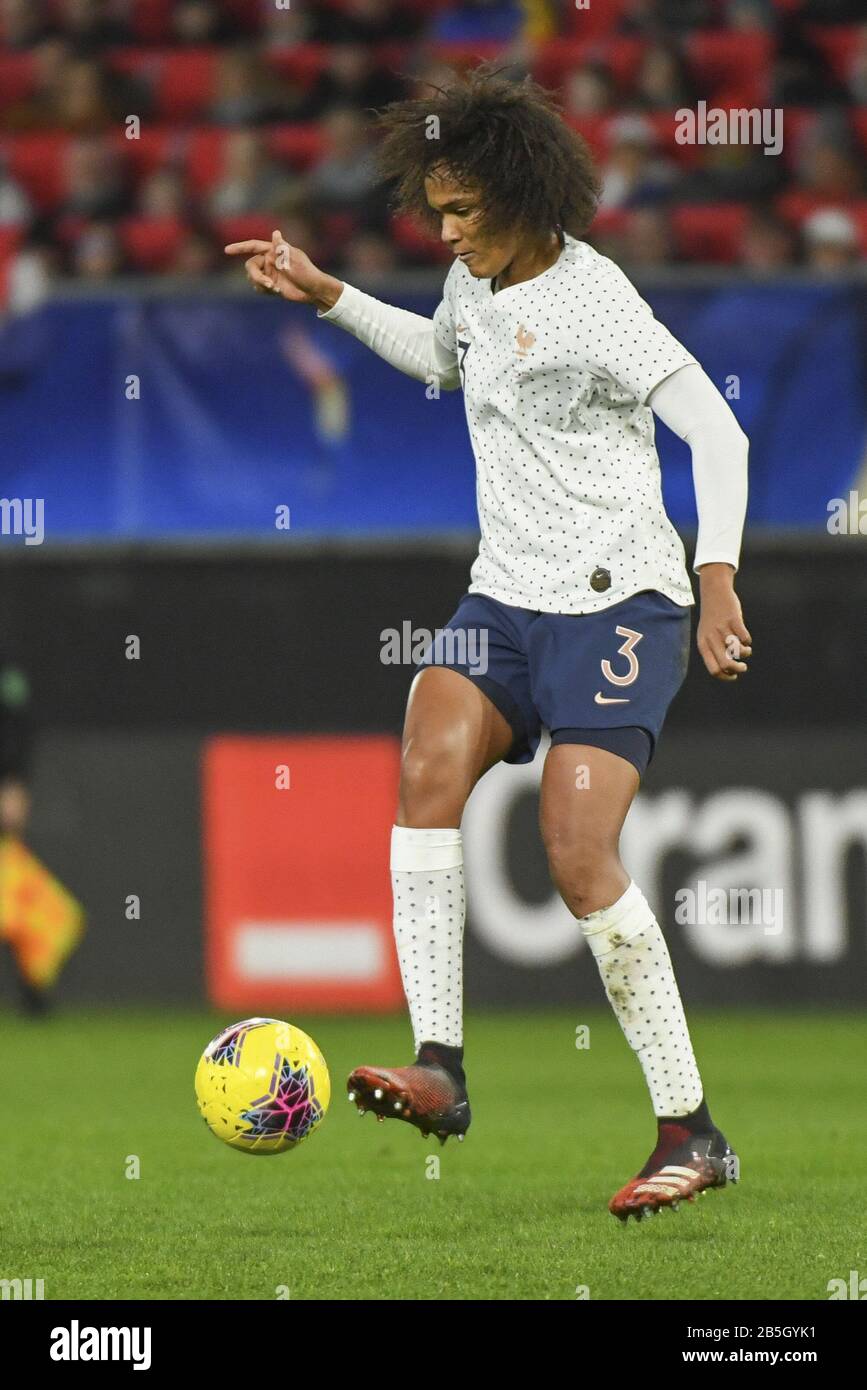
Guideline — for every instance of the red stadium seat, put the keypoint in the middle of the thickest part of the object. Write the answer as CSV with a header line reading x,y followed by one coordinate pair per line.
x,y
38,161
16,77
300,145
556,58
597,131
10,240
859,213
838,43
609,222
709,233
205,157
409,238
186,83
798,203
151,243
155,146
150,20
731,68
859,124
796,206
593,22
461,54
253,226
247,14
302,63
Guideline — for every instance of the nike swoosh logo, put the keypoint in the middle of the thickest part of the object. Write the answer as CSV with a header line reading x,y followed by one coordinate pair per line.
x,y
604,699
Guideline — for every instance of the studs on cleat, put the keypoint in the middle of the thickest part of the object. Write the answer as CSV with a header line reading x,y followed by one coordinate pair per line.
x,y
380,1119
461,1138
378,1093
397,1105
351,1095
361,1110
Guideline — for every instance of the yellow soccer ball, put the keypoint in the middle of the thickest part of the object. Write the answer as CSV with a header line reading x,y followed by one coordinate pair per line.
x,y
262,1086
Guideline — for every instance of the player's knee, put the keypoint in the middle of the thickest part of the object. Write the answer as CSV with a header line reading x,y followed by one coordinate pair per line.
x,y
582,871
434,784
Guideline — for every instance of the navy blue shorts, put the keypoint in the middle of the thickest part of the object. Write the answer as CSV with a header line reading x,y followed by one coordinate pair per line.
x,y
604,679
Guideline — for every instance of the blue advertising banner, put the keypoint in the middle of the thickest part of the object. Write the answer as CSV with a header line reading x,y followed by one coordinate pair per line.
x,y
139,417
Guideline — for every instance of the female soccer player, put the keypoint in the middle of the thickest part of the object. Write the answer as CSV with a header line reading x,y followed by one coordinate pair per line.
x,y
579,597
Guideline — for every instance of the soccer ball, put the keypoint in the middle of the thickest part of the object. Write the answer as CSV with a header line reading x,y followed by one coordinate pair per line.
x,y
262,1086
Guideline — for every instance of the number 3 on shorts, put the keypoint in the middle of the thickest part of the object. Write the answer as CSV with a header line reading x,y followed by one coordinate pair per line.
x,y
627,650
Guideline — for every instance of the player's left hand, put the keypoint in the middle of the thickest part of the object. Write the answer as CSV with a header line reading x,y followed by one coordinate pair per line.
x,y
723,638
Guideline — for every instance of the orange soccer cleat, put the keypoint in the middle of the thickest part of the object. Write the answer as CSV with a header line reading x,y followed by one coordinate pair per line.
x,y
682,1166
425,1095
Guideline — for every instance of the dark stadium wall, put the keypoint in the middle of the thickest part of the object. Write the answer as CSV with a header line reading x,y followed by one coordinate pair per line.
x,y
759,786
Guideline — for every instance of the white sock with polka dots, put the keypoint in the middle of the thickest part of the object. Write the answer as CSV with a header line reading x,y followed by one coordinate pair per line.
x,y
427,878
636,971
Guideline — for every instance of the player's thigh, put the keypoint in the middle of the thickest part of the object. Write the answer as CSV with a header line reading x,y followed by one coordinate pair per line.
x,y
452,735
585,796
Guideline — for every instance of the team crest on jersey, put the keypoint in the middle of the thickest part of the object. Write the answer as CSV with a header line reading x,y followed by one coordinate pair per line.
x,y
525,340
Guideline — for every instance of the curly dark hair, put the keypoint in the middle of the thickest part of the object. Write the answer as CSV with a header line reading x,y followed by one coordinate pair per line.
x,y
503,138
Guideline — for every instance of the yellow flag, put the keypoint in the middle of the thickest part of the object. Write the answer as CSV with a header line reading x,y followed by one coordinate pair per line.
x,y
41,921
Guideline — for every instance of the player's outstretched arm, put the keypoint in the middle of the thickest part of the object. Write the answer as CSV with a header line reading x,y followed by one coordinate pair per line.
x,y
407,340
691,406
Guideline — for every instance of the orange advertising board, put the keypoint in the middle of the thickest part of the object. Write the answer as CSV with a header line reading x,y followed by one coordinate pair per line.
x,y
297,885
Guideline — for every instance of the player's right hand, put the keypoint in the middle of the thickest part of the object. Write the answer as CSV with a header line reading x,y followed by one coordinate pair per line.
x,y
275,267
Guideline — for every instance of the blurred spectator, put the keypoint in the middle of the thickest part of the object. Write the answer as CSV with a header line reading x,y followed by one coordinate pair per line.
x,y
802,75
768,243
733,172
83,101
351,78
370,254
338,207
162,195
858,67
251,180
95,184
30,275
662,81
196,23
40,109
749,15
97,253
831,164
655,16
91,25
433,72
831,240
23,23
364,21
345,177
197,256
15,206
634,172
247,93
647,239
284,28
589,90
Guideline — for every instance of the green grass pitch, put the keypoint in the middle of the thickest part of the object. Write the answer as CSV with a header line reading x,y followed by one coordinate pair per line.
x,y
518,1211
